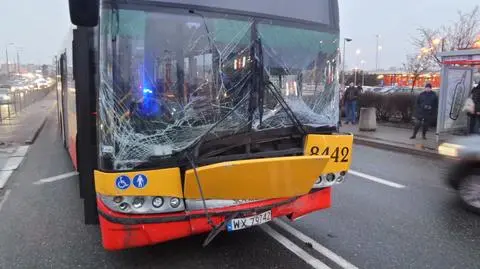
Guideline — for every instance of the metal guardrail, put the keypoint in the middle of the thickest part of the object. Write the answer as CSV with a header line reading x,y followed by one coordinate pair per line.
x,y
19,100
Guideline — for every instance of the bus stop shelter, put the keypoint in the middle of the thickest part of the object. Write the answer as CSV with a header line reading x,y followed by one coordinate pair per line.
x,y
456,83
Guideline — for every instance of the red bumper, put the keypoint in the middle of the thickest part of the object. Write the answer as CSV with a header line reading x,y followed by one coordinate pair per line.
x,y
121,231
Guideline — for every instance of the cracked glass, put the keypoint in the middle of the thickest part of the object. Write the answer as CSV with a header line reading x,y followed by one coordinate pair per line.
x,y
171,78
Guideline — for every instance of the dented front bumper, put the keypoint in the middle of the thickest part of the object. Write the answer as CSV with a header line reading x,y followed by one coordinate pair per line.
x,y
121,231
288,186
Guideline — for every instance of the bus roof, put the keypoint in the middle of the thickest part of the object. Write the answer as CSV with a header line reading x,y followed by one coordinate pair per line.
x,y
315,11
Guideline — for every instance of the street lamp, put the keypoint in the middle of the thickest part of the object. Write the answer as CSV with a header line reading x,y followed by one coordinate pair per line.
x,y
424,51
356,68
363,62
345,40
6,55
378,48
357,52
436,41
19,49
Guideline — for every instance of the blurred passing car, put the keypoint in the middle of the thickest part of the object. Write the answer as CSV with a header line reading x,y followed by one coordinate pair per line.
x,y
464,174
5,97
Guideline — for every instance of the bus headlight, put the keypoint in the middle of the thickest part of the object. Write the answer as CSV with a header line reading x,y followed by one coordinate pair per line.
x,y
157,202
329,180
138,202
174,202
123,206
143,204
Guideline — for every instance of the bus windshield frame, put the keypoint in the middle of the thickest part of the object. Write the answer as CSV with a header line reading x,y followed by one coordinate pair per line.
x,y
153,104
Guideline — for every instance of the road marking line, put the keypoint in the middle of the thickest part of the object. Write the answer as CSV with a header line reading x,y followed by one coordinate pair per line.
x,y
12,163
4,177
21,151
55,178
5,196
317,246
376,179
314,262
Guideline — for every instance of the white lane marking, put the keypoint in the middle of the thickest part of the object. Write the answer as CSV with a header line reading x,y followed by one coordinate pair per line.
x,y
12,163
5,197
55,178
21,151
314,262
376,179
4,176
317,246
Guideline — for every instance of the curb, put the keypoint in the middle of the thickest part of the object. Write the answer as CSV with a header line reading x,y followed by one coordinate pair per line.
x,y
32,139
36,133
18,157
375,143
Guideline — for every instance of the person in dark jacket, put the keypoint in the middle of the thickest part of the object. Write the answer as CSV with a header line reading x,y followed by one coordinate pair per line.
x,y
475,117
350,98
425,111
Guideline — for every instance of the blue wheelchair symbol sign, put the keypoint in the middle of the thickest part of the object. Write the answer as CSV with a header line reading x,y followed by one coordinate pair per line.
x,y
140,181
122,182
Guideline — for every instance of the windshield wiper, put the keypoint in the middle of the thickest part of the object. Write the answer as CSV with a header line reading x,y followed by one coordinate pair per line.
x,y
276,94
259,84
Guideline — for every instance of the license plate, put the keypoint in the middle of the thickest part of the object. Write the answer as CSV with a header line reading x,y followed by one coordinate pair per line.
x,y
243,223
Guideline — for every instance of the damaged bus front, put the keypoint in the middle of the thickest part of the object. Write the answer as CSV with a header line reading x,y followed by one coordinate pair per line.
x,y
214,116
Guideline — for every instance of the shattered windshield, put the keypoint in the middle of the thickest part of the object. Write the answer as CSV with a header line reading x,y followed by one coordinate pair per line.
x,y
169,79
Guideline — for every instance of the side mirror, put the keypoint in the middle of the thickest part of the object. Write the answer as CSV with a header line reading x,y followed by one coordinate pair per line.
x,y
84,12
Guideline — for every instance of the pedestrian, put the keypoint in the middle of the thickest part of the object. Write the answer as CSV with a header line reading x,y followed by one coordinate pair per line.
x,y
425,111
350,98
475,116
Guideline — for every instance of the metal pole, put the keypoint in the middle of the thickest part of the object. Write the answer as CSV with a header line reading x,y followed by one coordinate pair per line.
x,y
363,78
8,69
15,102
14,64
343,60
355,76
376,56
18,62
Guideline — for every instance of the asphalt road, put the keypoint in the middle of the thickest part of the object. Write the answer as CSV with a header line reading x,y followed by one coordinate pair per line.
x,y
409,220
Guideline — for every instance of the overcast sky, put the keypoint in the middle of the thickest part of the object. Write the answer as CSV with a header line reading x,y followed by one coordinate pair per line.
x,y
396,22
39,27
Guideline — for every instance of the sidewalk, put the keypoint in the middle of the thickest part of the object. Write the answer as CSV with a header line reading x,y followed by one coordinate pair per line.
x,y
23,128
20,131
397,139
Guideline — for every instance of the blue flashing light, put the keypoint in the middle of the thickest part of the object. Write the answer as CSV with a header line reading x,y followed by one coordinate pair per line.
x,y
149,107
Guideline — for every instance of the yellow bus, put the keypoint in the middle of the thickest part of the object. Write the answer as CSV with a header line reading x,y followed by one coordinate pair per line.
x,y
186,117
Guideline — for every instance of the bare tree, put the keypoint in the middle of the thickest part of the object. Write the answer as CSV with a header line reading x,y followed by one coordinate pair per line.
x,y
417,65
464,32
461,34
